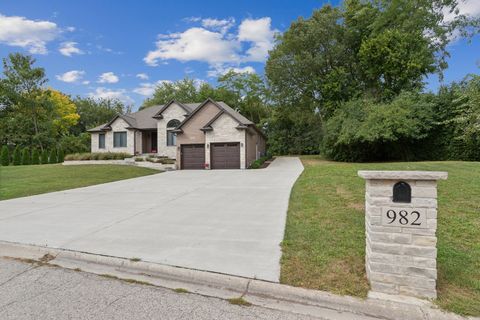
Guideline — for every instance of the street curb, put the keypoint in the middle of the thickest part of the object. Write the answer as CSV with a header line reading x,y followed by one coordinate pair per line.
x,y
263,293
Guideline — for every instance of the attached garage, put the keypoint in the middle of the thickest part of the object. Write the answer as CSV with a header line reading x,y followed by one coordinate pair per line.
x,y
193,156
225,155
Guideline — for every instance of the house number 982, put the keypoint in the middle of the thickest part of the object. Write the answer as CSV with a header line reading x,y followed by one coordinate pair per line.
x,y
404,217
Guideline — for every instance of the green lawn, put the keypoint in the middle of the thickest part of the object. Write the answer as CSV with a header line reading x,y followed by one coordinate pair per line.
x,y
324,245
21,181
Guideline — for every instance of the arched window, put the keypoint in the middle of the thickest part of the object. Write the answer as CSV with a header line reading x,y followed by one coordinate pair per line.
x,y
172,136
173,123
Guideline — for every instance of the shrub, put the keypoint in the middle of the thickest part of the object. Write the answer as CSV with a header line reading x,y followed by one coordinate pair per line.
x,y
44,157
26,158
35,157
166,161
365,130
257,164
139,159
4,156
97,156
61,155
75,144
17,156
53,156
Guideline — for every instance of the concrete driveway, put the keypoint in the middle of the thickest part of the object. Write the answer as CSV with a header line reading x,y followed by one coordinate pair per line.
x,y
227,221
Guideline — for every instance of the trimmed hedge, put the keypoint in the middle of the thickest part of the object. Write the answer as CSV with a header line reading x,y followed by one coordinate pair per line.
x,y
35,157
5,156
17,156
97,156
44,157
53,156
26,158
61,155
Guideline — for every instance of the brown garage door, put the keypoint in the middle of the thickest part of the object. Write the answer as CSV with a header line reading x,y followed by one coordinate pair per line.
x,y
193,156
225,155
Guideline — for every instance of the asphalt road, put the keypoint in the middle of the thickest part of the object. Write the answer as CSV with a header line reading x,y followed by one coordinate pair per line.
x,y
30,291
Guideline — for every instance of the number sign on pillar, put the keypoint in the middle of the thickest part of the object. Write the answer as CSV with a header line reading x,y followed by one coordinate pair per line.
x,y
401,223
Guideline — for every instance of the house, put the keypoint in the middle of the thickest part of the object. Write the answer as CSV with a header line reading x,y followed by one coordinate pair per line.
x,y
207,135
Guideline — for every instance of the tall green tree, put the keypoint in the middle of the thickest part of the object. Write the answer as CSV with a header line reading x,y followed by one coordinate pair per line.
x,y
24,111
183,90
247,92
372,49
94,112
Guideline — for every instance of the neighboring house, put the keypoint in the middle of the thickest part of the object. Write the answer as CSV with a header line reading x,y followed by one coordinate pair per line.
x,y
207,135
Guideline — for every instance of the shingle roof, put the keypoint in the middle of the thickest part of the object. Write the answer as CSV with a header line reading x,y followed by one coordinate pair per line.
x,y
146,118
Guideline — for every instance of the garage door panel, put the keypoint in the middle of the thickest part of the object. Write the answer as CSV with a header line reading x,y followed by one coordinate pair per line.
x,y
193,156
225,155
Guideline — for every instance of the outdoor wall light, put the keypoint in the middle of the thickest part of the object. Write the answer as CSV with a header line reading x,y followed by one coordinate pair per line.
x,y
241,144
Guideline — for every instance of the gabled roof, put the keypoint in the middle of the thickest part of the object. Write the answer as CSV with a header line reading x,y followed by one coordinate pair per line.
x,y
188,107
223,108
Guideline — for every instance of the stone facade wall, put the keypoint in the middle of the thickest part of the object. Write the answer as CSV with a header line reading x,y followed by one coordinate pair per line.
x,y
117,125
174,111
224,130
401,260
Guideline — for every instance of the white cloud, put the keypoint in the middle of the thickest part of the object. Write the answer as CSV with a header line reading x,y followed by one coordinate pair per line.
x,y
196,44
28,34
221,25
142,76
220,70
70,29
469,8
260,34
86,82
214,44
107,77
147,89
104,93
71,76
69,48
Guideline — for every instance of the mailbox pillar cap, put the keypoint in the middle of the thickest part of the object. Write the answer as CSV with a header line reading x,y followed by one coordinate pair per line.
x,y
402,175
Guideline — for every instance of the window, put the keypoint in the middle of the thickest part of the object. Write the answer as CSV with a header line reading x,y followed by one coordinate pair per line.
x,y
171,138
173,123
119,139
101,141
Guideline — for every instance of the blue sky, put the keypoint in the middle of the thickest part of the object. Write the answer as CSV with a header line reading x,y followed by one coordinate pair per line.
x,y
122,49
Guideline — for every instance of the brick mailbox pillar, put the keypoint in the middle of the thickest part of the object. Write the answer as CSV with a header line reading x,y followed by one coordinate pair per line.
x,y
401,224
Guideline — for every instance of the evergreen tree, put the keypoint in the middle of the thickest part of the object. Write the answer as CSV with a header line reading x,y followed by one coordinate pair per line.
x,y
61,155
44,159
17,156
26,160
53,156
4,156
35,157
